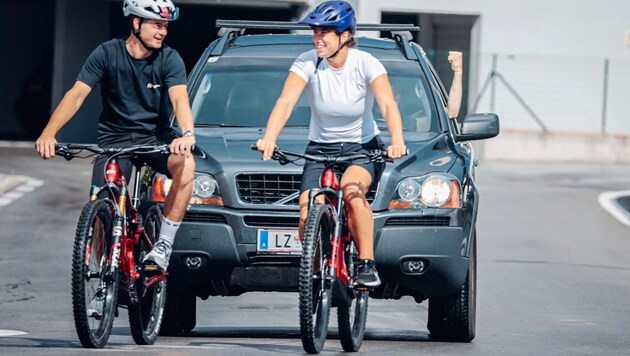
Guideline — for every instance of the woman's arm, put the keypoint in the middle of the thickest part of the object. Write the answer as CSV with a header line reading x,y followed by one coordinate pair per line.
x,y
386,102
293,87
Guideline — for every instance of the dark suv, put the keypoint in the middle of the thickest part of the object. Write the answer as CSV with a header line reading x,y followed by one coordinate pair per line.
x,y
239,232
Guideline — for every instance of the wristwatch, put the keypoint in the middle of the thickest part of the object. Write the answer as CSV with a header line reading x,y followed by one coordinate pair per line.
x,y
187,133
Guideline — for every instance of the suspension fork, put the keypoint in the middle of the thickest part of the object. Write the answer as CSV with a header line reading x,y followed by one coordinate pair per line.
x,y
119,233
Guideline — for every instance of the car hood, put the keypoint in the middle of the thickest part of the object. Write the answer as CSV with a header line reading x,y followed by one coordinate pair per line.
x,y
228,152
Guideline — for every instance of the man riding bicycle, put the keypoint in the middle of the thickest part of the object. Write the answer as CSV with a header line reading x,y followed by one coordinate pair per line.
x,y
342,84
142,81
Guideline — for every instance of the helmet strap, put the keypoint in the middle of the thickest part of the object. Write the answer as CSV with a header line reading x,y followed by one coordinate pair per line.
x,y
340,46
137,34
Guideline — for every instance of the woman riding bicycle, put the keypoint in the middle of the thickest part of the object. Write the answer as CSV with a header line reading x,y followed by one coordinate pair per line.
x,y
342,84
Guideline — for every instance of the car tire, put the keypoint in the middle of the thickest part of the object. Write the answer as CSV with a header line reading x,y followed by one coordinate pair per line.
x,y
180,313
453,317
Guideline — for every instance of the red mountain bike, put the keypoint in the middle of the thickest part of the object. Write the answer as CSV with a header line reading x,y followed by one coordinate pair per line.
x,y
112,237
328,266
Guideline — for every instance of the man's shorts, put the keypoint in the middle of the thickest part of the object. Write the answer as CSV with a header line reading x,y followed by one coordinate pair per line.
x,y
157,161
311,175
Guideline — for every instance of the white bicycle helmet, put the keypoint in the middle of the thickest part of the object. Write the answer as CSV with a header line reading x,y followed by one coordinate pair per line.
x,y
151,9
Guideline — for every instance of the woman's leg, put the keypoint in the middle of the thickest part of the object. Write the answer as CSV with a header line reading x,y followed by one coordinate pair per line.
x,y
355,183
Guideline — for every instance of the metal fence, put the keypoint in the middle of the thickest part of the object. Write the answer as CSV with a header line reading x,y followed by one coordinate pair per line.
x,y
556,93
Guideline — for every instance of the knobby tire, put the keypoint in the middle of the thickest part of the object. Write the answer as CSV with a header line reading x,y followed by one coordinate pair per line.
x,y
145,315
351,319
314,292
94,229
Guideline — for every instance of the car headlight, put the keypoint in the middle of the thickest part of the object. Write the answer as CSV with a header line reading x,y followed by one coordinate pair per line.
x,y
408,190
435,190
205,189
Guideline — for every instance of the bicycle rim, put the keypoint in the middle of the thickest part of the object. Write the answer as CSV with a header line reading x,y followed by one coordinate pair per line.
x,y
90,262
315,291
145,316
351,319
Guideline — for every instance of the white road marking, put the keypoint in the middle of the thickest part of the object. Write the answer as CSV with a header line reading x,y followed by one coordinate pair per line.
x,y
5,333
14,187
608,201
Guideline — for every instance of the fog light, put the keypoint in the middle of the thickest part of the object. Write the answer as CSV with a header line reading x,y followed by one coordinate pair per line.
x,y
193,262
414,266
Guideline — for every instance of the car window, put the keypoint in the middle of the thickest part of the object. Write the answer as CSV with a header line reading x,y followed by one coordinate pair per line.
x,y
411,93
241,92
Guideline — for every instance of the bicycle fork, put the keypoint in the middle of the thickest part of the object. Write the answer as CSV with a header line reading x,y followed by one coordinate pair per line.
x,y
117,234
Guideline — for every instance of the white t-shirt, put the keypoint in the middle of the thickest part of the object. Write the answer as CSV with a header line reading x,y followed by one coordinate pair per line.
x,y
341,99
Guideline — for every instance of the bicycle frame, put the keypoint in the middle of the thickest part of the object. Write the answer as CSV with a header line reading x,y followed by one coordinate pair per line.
x,y
332,192
128,231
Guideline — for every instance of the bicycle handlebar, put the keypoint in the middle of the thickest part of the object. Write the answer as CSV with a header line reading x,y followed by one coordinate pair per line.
x,y
376,155
71,150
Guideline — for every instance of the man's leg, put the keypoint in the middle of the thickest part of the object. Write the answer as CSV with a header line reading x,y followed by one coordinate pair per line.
x,y
182,170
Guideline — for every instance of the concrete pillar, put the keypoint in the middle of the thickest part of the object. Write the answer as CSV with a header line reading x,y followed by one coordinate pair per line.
x,y
80,27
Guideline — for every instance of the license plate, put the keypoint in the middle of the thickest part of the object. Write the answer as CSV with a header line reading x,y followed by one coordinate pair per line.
x,y
279,241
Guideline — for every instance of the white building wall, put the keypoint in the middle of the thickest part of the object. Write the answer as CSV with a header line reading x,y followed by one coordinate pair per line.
x,y
551,52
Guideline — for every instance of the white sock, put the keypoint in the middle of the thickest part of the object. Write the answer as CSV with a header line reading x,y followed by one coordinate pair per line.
x,y
168,230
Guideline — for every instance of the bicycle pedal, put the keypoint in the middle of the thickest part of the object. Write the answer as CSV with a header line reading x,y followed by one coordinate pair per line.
x,y
151,270
361,288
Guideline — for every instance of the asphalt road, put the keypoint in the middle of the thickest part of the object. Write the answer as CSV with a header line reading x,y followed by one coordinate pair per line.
x,y
554,273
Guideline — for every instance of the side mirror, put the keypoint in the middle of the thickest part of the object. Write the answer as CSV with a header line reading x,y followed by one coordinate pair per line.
x,y
478,127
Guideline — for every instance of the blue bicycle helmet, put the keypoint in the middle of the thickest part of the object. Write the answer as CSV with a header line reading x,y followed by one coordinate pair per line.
x,y
335,14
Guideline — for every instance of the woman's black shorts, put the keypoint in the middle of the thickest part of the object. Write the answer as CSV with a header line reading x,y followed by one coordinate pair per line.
x,y
311,176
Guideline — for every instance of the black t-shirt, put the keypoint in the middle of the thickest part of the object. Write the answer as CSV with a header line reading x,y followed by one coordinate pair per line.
x,y
134,91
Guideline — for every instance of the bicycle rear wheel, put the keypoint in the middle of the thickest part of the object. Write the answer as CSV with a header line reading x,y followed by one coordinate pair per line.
x,y
314,286
94,290
145,315
351,318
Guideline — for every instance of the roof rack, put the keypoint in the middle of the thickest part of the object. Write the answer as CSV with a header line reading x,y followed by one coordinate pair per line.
x,y
229,29
240,25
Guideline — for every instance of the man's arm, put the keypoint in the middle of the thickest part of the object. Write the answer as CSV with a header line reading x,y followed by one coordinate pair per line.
x,y
455,94
181,105
69,105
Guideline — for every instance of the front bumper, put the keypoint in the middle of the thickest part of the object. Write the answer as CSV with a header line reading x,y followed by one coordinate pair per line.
x,y
217,246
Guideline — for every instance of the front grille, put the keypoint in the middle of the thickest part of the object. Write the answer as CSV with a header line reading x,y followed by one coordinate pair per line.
x,y
419,221
265,188
204,218
268,188
272,221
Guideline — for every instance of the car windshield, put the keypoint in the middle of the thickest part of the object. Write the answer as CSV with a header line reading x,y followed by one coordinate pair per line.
x,y
241,92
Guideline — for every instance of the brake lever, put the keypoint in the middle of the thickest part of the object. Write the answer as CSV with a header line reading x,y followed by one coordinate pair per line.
x,y
65,153
280,157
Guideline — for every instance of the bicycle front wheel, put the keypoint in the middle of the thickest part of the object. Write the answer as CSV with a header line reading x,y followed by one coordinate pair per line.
x,y
145,315
314,286
351,318
94,290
